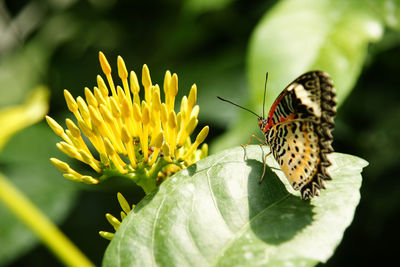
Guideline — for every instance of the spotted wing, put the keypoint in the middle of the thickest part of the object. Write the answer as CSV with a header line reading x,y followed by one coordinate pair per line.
x,y
299,131
296,147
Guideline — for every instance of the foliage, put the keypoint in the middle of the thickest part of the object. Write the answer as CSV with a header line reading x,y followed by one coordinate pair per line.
x,y
300,35
214,44
216,213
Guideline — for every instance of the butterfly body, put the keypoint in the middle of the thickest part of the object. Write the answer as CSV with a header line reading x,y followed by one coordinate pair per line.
x,y
298,131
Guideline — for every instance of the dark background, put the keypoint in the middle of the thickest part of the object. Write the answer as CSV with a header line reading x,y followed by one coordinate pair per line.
x,y
207,46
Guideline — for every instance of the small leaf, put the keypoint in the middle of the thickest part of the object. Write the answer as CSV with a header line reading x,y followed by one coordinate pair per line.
x,y
15,118
215,213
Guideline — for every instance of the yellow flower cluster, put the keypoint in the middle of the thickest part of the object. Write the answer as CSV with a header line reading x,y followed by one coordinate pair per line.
x,y
142,139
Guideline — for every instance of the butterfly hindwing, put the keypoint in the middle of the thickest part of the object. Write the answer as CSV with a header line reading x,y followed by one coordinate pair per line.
x,y
295,147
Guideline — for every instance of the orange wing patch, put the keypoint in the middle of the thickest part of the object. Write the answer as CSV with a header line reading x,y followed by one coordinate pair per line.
x,y
300,164
297,151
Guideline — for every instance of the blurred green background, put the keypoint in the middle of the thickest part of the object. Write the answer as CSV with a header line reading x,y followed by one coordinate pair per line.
x,y
225,47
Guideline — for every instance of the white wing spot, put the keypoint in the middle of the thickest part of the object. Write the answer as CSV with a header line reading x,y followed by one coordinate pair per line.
x,y
306,99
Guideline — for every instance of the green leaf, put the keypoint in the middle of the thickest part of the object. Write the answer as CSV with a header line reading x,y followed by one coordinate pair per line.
x,y
215,213
25,161
301,35
296,36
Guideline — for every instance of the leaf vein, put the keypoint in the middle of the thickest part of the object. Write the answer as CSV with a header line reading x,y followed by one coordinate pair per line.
x,y
244,227
212,192
153,232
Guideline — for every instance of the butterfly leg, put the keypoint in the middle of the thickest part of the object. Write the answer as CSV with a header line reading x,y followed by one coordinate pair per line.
x,y
251,138
265,165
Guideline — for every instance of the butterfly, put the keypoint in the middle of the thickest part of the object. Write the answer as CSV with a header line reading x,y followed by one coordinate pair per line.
x,y
298,130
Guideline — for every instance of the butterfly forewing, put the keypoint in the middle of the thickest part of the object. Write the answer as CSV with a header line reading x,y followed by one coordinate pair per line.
x,y
298,129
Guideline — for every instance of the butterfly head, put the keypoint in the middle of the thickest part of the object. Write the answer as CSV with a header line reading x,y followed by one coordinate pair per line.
x,y
262,123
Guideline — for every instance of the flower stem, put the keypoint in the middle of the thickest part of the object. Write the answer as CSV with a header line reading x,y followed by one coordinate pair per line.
x,y
27,212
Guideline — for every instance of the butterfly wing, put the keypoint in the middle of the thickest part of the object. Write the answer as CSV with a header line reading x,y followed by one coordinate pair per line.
x,y
295,146
299,128
311,96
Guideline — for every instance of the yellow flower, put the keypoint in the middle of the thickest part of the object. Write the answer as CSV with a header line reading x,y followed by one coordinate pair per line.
x,y
142,139
115,223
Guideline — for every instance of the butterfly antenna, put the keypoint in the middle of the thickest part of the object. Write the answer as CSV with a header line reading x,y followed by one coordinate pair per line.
x,y
230,102
265,90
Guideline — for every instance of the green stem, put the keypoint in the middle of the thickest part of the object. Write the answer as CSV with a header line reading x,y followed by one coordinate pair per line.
x,y
148,184
146,178
51,236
